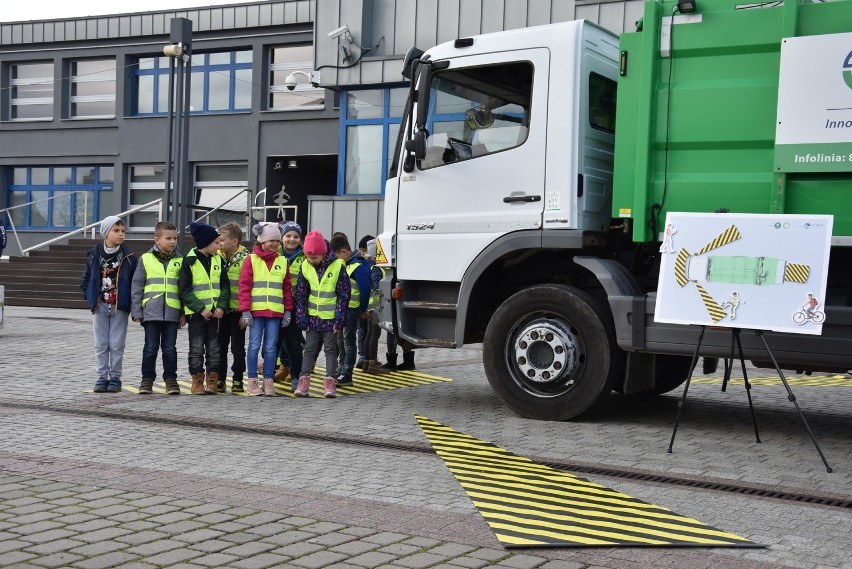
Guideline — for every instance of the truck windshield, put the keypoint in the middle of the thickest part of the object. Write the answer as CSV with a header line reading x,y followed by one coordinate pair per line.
x,y
476,111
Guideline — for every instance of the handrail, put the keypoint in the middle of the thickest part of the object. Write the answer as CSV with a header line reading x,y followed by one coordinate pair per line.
x,y
25,252
221,205
47,199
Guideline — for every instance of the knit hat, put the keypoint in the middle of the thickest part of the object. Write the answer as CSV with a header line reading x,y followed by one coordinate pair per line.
x,y
362,244
371,248
108,222
289,226
266,231
203,234
315,244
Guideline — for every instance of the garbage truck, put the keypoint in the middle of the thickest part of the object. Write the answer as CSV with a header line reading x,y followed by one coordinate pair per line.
x,y
535,167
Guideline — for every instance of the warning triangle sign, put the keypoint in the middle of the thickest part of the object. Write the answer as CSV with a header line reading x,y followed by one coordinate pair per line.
x,y
533,505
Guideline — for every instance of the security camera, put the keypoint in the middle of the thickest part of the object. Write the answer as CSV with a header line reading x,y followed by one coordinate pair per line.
x,y
290,82
336,33
312,77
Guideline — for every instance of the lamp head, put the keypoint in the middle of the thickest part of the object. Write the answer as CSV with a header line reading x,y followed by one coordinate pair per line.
x,y
686,6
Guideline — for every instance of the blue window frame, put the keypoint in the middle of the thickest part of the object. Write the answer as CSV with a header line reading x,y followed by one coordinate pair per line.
x,y
56,191
370,120
221,83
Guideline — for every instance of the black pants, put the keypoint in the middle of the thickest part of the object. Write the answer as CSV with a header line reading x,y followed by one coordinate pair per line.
x,y
203,344
231,333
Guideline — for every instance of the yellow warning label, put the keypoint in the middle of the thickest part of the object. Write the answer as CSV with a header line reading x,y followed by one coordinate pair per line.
x,y
714,310
796,273
528,504
625,212
381,259
727,236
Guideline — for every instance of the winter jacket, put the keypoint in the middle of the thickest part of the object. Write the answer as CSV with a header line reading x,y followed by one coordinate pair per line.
x,y
91,281
247,282
361,275
155,309
187,295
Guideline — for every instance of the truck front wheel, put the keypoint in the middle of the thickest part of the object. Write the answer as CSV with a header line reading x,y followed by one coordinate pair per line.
x,y
550,353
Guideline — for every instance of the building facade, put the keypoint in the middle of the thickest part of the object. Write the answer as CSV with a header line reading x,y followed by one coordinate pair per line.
x,y
84,106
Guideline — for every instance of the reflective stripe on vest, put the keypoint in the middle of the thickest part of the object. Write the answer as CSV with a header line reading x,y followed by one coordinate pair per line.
x,y
267,289
205,286
234,270
355,297
322,299
160,280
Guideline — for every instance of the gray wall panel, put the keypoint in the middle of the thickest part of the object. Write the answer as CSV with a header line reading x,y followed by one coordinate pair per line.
x,y
633,11
612,16
492,16
404,24
448,20
470,16
589,12
426,16
538,12
562,11
515,14
383,25
372,72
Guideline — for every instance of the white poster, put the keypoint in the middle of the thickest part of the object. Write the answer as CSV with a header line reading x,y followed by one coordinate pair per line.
x,y
750,271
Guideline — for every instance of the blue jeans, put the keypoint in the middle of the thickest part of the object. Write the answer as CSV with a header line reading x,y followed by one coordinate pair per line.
x,y
160,335
110,327
263,330
347,345
203,344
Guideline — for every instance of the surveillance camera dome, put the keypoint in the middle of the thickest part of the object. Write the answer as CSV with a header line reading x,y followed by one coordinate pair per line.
x,y
290,83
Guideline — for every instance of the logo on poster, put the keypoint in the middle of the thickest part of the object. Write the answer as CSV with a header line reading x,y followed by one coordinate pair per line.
x,y
847,70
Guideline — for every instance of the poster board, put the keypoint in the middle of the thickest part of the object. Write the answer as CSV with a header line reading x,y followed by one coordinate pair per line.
x,y
814,127
752,271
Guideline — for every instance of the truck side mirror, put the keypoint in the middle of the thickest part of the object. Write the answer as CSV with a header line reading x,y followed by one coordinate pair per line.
x,y
417,144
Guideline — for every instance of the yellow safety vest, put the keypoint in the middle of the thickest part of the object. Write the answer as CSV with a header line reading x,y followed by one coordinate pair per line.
x,y
205,286
376,294
322,300
296,268
355,298
234,270
267,289
160,280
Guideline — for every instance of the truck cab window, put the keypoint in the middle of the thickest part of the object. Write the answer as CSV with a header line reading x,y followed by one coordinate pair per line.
x,y
478,111
602,103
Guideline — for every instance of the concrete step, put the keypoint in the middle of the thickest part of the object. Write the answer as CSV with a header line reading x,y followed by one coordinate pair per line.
x,y
42,301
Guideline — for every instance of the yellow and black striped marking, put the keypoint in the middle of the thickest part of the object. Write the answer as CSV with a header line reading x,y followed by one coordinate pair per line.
x,y
799,381
796,273
361,383
528,504
727,236
680,267
715,311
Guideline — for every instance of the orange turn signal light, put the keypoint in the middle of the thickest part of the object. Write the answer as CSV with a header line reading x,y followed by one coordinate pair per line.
x,y
396,293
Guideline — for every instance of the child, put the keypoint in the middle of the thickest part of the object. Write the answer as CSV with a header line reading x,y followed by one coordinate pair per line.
x,y
204,290
291,340
359,281
362,323
266,303
371,339
232,254
322,298
106,287
155,303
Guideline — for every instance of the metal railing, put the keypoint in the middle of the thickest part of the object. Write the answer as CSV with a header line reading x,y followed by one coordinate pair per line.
x,y
6,211
258,212
221,206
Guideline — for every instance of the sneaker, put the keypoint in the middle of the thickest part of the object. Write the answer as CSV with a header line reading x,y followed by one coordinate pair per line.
x,y
360,363
172,387
100,386
237,386
114,386
330,387
304,386
253,387
146,387
268,387
344,379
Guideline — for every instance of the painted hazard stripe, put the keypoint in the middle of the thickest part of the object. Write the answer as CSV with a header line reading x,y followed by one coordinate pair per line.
x,y
727,236
361,383
715,311
528,504
796,273
680,267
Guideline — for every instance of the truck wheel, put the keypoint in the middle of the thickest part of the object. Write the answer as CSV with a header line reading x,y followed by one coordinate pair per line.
x,y
550,353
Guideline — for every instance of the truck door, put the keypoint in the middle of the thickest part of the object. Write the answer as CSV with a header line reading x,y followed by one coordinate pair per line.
x,y
484,169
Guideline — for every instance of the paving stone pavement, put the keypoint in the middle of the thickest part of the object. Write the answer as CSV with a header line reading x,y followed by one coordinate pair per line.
x,y
93,490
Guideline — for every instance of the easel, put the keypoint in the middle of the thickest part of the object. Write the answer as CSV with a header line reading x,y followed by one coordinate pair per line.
x,y
729,364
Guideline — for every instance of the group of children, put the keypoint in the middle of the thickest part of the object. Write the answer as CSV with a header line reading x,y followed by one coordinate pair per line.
x,y
281,288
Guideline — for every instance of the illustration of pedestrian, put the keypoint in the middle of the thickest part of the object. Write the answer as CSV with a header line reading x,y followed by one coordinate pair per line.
x,y
733,301
666,245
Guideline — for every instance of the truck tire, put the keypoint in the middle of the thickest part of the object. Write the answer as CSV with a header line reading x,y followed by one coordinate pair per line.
x,y
550,353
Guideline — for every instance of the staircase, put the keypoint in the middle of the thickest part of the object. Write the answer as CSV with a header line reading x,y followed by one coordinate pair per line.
x,y
51,277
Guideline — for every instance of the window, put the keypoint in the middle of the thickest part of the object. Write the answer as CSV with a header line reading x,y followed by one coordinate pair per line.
x,y
60,197
477,111
221,186
93,88
147,183
602,103
221,83
370,125
31,95
283,61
